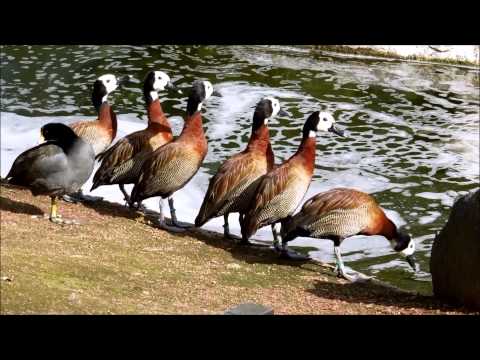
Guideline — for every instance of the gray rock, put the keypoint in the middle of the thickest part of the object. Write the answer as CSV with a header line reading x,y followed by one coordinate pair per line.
x,y
455,260
249,309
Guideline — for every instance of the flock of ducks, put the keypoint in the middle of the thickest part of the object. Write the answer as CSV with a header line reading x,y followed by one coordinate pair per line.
x,y
248,183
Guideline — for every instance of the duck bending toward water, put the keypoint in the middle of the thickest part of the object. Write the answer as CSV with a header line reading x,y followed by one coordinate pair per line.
x,y
170,167
231,188
280,191
58,166
340,213
122,162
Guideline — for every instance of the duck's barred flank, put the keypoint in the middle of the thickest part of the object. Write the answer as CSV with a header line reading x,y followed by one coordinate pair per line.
x,y
282,205
232,188
175,173
340,222
129,170
93,134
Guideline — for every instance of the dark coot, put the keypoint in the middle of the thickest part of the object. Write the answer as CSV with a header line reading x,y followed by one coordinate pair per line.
x,y
58,166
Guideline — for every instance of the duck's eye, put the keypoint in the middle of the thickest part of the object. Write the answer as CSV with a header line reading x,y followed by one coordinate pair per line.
x,y
108,81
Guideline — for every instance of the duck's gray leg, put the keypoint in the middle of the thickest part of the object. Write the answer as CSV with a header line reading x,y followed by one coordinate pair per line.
x,y
276,241
124,192
163,224
340,267
226,228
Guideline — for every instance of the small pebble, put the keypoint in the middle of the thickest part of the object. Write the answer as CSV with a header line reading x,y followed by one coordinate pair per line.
x,y
233,266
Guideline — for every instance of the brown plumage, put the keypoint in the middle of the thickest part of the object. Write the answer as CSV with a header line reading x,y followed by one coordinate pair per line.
x,y
171,166
100,132
341,213
122,162
281,190
231,188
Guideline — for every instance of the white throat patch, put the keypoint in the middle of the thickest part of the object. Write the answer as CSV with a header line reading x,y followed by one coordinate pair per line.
x,y
312,134
154,95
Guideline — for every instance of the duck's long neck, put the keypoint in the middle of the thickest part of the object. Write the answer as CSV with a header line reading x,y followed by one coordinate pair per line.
x,y
387,228
193,127
259,139
107,117
156,116
306,153
260,142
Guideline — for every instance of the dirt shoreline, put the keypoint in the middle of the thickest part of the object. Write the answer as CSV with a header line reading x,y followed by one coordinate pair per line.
x,y
116,262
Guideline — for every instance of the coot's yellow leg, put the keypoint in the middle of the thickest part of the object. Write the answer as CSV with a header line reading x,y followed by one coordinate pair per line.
x,y
53,208
57,218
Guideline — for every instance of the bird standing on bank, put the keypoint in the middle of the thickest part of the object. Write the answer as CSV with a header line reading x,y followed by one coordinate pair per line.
x,y
170,167
280,191
231,188
341,213
58,166
121,163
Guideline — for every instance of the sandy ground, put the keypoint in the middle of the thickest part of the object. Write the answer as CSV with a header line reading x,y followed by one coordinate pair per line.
x,y
117,262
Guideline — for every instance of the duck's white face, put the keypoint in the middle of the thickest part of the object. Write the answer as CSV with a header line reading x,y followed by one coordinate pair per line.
x,y
161,81
109,81
325,122
275,107
410,249
208,89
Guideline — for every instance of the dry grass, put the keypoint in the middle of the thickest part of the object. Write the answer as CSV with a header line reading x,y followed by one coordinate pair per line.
x,y
116,263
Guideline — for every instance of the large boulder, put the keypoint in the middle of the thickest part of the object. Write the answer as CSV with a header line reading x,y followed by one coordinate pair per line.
x,y
455,260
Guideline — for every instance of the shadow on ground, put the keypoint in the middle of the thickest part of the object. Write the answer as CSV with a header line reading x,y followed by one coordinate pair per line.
x,y
371,293
19,207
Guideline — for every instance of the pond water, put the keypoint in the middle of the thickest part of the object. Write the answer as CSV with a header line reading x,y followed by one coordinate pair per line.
x,y
413,129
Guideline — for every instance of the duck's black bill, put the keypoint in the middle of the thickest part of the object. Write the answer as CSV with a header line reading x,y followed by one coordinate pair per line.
x,y
282,113
123,80
411,261
336,130
171,86
216,93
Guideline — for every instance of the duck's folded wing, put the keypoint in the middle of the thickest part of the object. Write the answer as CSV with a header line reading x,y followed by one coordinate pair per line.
x,y
232,178
335,199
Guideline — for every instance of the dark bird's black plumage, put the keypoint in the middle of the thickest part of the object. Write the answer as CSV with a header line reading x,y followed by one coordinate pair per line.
x,y
60,165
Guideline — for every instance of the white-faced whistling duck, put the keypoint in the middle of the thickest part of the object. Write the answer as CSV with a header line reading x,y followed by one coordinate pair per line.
x,y
170,167
340,213
280,191
122,162
100,132
231,188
